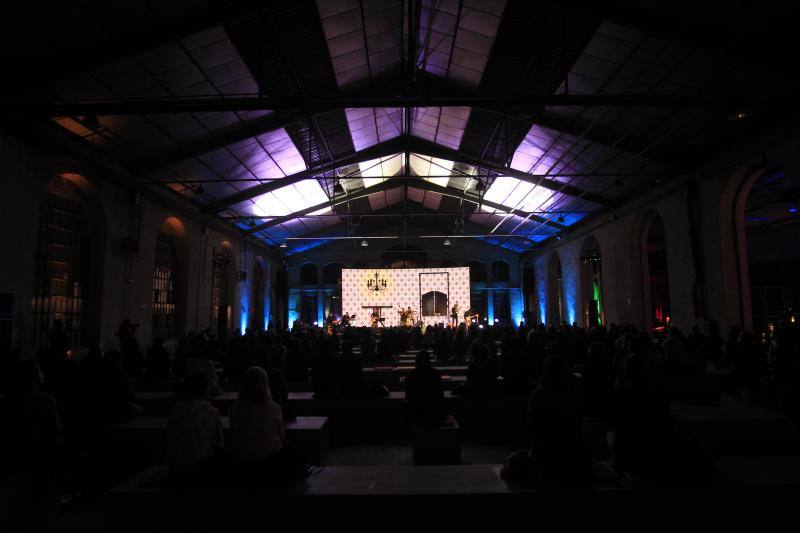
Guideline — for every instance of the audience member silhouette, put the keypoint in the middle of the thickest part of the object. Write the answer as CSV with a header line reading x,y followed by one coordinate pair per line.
x,y
157,360
482,370
33,443
351,373
556,420
257,431
640,418
194,430
424,393
108,397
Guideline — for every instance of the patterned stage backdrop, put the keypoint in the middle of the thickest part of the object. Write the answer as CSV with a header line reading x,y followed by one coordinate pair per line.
x,y
404,288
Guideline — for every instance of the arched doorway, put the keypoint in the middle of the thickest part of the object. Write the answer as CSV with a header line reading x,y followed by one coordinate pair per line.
x,y
657,271
169,280
309,278
500,271
280,297
478,294
771,227
555,291
223,292
257,297
592,283
434,303
68,268
332,279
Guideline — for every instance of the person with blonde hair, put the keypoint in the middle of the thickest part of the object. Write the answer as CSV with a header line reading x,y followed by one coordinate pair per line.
x,y
257,431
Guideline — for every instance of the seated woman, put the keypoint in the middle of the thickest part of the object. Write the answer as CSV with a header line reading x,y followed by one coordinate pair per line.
x,y
194,430
257,431
257,435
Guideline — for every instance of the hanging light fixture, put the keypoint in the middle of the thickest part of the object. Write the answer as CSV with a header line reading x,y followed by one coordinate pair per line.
x,y
364,243
284,245
376,284
447,242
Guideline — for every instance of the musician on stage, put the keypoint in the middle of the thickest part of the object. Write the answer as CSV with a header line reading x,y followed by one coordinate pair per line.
x,y
409,317
345,320
454,315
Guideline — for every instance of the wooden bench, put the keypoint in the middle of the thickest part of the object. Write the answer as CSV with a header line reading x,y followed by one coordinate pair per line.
x,y
438,445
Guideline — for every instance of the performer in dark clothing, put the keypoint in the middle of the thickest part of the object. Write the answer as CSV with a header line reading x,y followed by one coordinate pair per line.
x,y
454,315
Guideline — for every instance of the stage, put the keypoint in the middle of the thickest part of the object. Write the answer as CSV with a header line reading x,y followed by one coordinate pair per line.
x,y
430,293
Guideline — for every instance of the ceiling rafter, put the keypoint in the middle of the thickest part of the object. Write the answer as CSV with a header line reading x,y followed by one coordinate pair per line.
x,y
375,152
398,182
406,144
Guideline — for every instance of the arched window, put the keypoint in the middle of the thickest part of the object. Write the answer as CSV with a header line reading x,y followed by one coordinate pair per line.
x,y
591,283
500,271
165,284
61,294
332,274
477,272
223,271
257,298
556,312
309,274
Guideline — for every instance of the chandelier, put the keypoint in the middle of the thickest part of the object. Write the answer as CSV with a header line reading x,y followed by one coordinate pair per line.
x,y
377,284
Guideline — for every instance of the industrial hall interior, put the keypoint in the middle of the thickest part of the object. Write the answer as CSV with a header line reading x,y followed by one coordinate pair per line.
x,y
398,264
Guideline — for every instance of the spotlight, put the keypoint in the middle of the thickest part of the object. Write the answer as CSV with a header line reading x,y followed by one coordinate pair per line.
x,y
496,320
316,323
447,242
284,245
560,219
364,243
792,210
480,326
558,237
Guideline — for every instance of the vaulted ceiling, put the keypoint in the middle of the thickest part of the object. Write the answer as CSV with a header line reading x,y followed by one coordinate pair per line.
x,y
293,119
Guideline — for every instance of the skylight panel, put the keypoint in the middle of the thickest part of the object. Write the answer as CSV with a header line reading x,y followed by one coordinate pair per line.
x,y
375,171
290,199
432,166
517,194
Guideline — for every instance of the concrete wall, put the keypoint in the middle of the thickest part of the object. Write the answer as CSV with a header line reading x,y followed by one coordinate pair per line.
x,y
127,280
710,283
